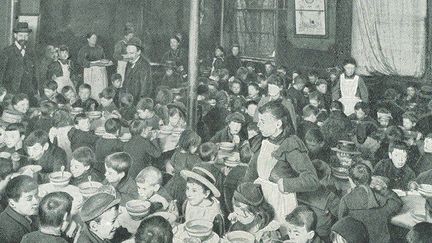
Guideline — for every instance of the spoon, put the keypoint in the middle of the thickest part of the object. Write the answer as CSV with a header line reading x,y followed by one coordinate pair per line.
x,y
62,170
90,181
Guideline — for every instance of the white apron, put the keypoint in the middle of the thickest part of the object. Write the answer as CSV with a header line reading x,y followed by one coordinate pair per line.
x,y
348,89
65,79
283,203
97,78
121,69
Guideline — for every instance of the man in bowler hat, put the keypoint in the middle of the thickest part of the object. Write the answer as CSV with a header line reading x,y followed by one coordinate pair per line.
x,y
17,69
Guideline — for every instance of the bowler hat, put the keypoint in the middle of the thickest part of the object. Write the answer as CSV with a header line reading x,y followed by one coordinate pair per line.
x,y
135,42
22,27
96,205
346,147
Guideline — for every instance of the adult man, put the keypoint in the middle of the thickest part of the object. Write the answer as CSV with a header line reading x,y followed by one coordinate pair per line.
x,y
138,74
17,72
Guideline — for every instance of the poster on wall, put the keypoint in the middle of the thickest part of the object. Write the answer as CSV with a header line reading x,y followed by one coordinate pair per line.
x,y
310,18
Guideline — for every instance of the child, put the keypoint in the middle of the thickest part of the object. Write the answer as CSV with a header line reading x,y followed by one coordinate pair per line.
x,y
372,205
143,147
208,154
251,109
318,149
295,93
62,71
424,162
202,194
313,77
109,143
349,230
41,152
23,201
253,214
235,88
84,101
163,98
69,94
323,94
171,78
107,100
411,99
309,121
154,229
268,69
149,183
58,134
232,132
99,214
409,121
20,106
127,109
117,81
218,59
54,216
145,112
116,174
396,172
301,224
44,120
80,135
50,93
13,139
81,166
253,92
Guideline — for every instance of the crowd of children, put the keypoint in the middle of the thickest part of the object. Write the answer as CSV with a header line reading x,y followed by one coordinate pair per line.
x,y
276,157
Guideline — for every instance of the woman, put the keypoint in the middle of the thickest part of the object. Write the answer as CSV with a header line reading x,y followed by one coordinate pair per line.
x,y
281,166
92,58
176,54
351,88
120,49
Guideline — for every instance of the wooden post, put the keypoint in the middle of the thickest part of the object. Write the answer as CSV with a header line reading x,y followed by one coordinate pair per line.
x,y
222,22
193,62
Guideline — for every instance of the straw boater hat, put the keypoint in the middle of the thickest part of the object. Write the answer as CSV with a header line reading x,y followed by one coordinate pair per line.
x,y
346,147
9,117
203,175
22,27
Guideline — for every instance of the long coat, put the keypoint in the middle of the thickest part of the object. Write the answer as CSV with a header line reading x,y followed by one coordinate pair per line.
x,y
14,226
17,72
138,79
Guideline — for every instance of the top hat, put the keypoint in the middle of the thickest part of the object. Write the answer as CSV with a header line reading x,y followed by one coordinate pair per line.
x,y
346,147
22,27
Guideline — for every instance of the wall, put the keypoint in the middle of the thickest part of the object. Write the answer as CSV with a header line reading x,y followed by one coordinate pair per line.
x,y
5,19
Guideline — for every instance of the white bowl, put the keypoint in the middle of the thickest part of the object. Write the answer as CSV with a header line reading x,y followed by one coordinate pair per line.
x,y
59,180
199,228
240,237
226,146
138,208
89,188
425,188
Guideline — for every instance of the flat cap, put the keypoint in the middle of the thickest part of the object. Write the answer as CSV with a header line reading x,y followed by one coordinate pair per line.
x,y
235,117
96,205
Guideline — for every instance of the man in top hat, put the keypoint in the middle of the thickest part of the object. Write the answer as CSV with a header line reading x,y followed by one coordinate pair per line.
x,y
137,80
17,72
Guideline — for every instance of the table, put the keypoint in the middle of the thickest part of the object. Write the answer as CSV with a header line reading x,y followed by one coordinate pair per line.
x,y
404,218
72,190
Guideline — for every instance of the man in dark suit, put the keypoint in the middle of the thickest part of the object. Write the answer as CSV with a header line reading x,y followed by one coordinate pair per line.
x,y
138,74
17,71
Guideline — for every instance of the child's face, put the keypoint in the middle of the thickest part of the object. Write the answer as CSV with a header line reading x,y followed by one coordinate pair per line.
x,y
235,51
22,106
143,114
12,138
36,151
398,157
411,91
77,168
251,109
63,55
218,52
360,114
49,92
427,146
195,193
322,88
84,94
349,69
27,204
273,90
314,102
112,176
117,83
107,226
84,124
235,88
252,91
146,190
174,119
243,215
234,127
105,102
312,78
299,234
333,77
268,68
70,95
407,123
383,121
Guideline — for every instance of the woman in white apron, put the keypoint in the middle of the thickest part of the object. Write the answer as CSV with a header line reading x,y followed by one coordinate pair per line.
x,y
61,70
281,166
351,88
92,58
120,49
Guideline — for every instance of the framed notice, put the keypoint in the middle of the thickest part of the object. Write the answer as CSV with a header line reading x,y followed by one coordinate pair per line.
x,y
311,18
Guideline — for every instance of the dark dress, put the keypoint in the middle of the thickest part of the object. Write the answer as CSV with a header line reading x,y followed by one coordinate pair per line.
x,y
37,237
397,178
89,54
233,63
179,57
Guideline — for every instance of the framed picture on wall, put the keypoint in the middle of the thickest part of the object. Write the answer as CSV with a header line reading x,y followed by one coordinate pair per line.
x,y
310,18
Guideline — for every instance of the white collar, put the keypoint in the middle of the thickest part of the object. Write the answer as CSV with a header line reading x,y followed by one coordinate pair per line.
x,y
18,45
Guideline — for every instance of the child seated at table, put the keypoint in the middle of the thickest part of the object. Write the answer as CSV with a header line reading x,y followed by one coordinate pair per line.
x,y
370,203
424,162
50,93
107,100
154,229
18,218
143,147
81,166
54,216
309,120
232,131
84,101
149,183
145,112
316,145
127,109
208,153
301,225
349,230
117,168
420,233
117,81
396,172
409,121
80,135
14,135
43,121
109,142
70,95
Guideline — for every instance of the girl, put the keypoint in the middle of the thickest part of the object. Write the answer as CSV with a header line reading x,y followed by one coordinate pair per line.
x,y
62,70
92,58
177,115
63,123
218,59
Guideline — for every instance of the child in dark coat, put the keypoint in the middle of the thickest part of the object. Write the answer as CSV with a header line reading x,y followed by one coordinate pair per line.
x,y
84,101
109,143
81,167
145,112
80,135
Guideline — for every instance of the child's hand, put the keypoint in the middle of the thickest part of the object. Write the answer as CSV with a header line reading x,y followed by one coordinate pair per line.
x,y
232,217
413,186
236,139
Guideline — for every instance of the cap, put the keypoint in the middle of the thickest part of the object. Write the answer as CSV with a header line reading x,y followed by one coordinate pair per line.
x,y
96,205
235,117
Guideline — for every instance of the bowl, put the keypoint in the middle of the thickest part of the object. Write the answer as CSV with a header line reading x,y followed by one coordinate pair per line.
x,y
89,188
226,146
232,161
94,114
199,228
240,237
425,188
340,172
138,208
100,131
126,137
59,180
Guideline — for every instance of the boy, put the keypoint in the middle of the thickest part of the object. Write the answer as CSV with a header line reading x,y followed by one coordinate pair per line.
x,y
107,100
149,184
145,112
143,148
54,214
313,77
253,92
50,93
116,174
80,135
349,230
84,101
23,201
409,121
13,139
396,172
424,162
309,121
116,81
81,166
323,94
109,143
171,78
69,94
316,145
232,132
235,88
44,120
295,93
99,214
41,152
301,224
